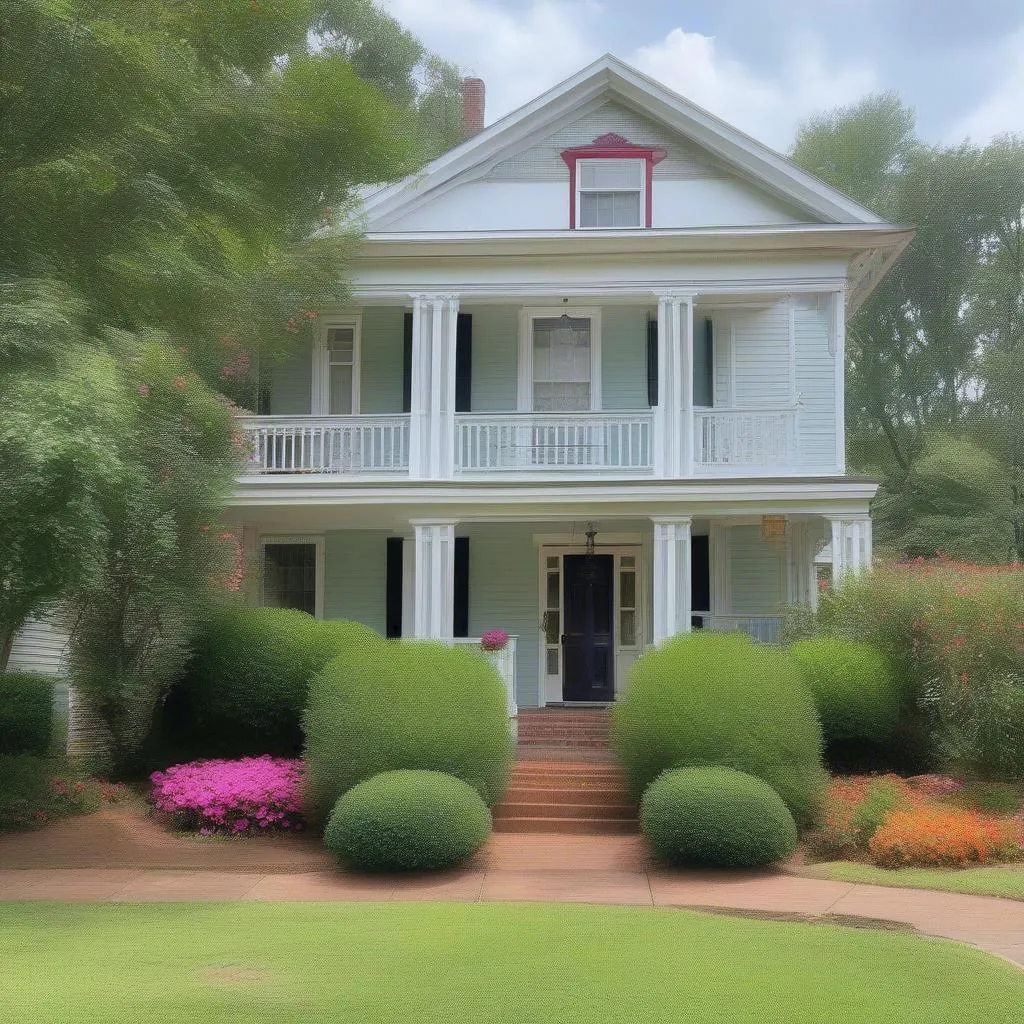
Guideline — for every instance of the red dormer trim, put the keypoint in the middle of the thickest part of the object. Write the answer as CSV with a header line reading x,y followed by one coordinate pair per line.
x,y
612,147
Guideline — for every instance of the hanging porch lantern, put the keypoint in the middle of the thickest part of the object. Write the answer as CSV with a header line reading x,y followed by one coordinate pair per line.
x,y
773,529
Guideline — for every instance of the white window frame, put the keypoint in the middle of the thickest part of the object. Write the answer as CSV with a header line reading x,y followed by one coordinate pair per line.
x,y
580,191
527,315
321,398
318,540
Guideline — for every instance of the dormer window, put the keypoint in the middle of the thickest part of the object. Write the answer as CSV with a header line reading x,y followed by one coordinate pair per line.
x,y
610,183
610,193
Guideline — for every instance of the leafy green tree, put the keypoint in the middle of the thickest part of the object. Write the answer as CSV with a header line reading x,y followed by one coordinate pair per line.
x,y
161,555
167,171
933,370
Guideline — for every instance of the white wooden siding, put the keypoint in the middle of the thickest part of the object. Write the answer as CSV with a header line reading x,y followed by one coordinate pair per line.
x,y
755,573
291,382
624,357
815,384
760,358
380,384
543,162
495,369
40,646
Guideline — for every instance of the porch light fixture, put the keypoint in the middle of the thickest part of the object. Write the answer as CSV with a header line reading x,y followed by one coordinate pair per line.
x,y
773,529
588,549
588,571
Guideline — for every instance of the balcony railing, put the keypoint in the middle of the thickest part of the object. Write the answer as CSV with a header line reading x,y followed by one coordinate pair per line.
x,y
327,444
597,442
744,438
537,442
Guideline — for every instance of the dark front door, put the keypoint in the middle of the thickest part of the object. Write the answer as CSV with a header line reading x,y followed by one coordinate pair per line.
x,y
587,644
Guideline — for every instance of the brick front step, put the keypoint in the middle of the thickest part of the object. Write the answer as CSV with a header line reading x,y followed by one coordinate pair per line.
x,y
564,796
561,809
567,826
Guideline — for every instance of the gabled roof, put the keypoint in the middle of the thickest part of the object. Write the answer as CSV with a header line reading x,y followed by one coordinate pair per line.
x,y
610,78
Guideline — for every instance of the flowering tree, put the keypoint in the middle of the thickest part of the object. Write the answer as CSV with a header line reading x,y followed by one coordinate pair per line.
x,y
161,554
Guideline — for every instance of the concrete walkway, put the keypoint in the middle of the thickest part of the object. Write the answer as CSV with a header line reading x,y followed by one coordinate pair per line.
x,y
550,868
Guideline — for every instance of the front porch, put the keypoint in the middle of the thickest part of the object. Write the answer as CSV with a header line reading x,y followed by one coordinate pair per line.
x,y
580,599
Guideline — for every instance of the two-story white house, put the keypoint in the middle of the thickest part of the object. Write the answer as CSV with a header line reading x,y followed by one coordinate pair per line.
x,y
590,391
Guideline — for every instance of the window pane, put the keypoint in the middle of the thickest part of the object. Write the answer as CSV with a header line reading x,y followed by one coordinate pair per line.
x,y
552,596
552,661
552,632
610,210
627,628
627,589
289,576
561,397
341,344
341,390
628,561
626,213
611,174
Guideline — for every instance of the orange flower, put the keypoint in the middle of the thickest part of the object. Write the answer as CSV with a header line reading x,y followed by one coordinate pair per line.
x,y
944,837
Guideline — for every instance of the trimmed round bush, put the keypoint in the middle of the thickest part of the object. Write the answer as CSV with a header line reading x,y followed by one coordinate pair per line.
x,y
407,821
720,699
244,690
716,817
852,686
26,713
406,704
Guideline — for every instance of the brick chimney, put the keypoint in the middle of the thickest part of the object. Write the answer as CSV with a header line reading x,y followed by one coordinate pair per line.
x,y
472,106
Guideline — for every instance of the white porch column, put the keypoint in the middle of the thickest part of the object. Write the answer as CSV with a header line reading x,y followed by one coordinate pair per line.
x,y
671,576
851,545
432,404
434,578
838,348
673,420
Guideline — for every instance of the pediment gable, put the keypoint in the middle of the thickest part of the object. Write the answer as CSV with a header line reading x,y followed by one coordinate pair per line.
x,y
610,97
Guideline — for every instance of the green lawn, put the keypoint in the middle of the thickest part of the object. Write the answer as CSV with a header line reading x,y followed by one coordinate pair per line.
x,y
1006,880
430,963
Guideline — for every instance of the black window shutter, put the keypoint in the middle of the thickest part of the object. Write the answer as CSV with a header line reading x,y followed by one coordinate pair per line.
x,y
652,363
700,574
393,590
460,595
709,363
407,365
464,363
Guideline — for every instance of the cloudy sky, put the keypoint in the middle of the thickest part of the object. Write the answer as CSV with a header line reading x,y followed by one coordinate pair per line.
x,y
761,65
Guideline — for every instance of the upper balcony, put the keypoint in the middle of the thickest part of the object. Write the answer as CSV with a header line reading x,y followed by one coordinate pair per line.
x,y
499,391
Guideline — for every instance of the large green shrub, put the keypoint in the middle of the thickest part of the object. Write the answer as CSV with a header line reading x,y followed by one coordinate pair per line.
x,y
716,817
26,713
245,687
720,699
35,791
406,704
951,633
852,687
407,821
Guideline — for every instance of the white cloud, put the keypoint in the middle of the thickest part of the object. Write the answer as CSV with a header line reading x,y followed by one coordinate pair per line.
x,y
1002,110
518,54
521,53
768,108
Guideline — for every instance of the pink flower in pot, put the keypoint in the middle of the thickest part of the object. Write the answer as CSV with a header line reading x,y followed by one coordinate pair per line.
x,y
494,640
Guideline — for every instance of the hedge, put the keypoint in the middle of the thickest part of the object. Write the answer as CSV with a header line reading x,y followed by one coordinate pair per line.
x,y
244,690
716,817
406,705
407,820
26,713
720,699
853,688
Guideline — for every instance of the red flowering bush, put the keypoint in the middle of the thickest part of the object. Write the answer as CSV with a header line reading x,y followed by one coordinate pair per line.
x,y
247,796
853,809
936,836
494,640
